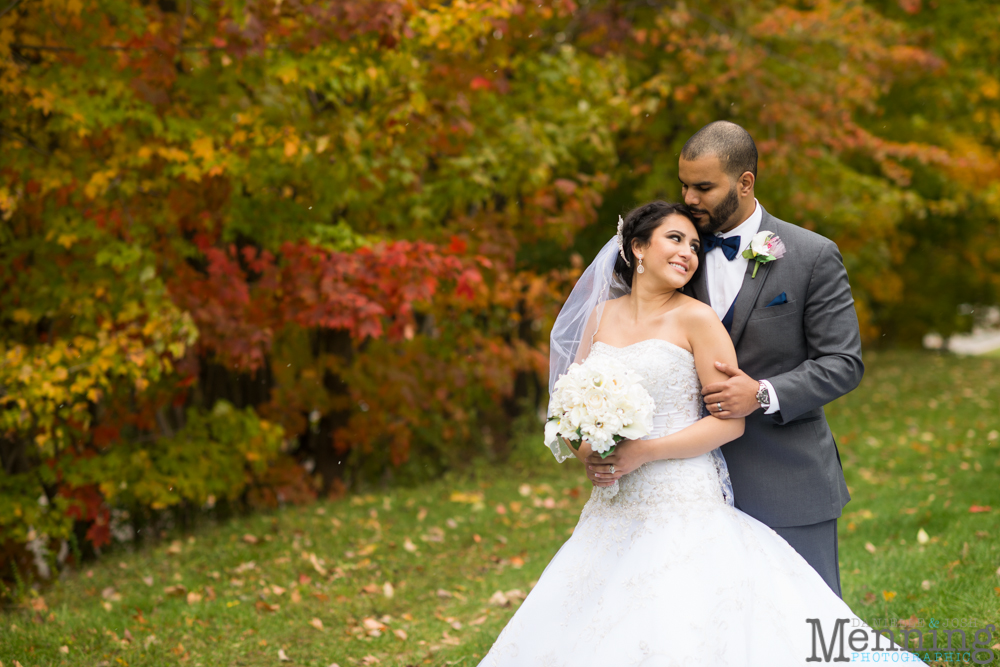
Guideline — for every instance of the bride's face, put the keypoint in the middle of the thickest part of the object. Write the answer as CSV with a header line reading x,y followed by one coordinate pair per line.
x,y
671,258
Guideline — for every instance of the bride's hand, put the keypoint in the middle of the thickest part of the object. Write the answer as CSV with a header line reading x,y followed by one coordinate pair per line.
x,y
583,452
628,456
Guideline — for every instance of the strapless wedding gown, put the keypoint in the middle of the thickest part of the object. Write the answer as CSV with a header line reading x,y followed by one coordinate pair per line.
x,y
666,573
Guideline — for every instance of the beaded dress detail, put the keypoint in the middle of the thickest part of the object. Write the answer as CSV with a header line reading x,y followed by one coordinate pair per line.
x,y
666,572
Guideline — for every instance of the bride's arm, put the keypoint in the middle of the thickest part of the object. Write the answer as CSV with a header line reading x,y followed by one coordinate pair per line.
x,y
710,342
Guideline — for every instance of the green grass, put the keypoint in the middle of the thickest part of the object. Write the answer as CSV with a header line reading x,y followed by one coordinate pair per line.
x,y
919,443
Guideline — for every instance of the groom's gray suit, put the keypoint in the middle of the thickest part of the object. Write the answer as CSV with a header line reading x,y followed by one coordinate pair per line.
x,y
785,469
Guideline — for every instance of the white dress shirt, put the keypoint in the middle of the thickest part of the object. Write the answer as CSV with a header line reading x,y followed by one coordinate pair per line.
x,y
724,278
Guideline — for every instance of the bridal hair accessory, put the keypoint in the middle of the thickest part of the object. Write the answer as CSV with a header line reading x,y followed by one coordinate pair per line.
x,y
764,247
621,244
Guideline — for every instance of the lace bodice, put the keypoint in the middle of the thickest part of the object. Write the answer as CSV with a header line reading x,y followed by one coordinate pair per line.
x,y
668,374
658,489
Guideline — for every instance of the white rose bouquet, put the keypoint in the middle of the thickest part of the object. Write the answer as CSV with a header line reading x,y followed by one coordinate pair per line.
x,y
602,402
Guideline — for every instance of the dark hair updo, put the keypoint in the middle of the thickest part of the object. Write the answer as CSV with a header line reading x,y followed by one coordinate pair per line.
x,y
640,223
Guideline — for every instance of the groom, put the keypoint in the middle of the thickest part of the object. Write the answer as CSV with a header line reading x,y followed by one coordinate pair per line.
x,y
797,342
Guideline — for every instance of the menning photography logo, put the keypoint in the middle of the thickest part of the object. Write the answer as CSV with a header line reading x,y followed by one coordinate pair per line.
x,y
887,644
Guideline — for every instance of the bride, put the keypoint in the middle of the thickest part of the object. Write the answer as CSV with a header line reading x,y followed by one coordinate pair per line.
x,y
666,571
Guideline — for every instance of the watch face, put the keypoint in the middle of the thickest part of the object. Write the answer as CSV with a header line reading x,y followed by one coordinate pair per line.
x,y
763,397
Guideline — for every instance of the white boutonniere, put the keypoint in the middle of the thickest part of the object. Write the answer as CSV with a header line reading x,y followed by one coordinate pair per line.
x,y
764,247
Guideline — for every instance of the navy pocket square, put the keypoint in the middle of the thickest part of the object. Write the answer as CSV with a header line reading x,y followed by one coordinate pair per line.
x,y
778,300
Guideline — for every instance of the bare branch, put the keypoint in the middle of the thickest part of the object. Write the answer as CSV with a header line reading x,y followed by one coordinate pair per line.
x,y
10,7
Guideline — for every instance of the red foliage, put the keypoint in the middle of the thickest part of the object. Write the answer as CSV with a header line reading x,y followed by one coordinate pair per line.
x,y
87,504
369,293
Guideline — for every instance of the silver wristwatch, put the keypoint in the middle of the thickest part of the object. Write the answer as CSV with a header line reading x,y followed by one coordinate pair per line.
x,y
763,396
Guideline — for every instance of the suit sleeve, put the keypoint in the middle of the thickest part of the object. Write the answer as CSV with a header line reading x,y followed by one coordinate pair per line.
x,y
833,342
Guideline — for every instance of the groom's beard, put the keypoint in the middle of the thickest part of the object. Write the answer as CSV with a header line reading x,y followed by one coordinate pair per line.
x,y
723,212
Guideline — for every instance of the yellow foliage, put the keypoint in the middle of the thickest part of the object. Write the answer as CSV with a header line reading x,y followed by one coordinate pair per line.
x,y
203,148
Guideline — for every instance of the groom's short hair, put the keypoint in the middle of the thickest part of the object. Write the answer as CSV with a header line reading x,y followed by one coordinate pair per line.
x,y
729,142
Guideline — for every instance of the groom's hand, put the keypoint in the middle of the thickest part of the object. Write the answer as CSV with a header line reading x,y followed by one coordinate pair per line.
x,y
737,395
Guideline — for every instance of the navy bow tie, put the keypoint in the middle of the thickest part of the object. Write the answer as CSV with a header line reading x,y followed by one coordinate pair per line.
x,y
730,247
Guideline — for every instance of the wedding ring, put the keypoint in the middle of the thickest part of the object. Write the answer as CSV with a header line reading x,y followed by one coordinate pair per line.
x,y
612,471
719,405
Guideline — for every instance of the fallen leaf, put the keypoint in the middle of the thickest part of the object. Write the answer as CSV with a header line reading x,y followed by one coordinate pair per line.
x,y
442,593
128,636
64,649
148,581
209,593
524,490
457,625
869,597
250,539
388,590
463,497
372,624
371,589
910,622
38,604
176,590
499,599
517,562
515,594
422,514
477,539
174,548
261,605
149,641
277,590
500,509
888,595
106,605
245,567
478,621
980,508
434,534
295,597
923,537
317,565
108,593
304,579
409,545
869,547
373,627
193,598
282,657
316,623
370,660
448,639
925,584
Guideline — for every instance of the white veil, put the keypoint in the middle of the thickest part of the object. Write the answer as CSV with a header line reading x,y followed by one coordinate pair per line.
x,y
574,330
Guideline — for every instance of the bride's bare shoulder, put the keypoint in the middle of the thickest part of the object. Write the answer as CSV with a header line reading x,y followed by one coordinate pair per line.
x,y
695,313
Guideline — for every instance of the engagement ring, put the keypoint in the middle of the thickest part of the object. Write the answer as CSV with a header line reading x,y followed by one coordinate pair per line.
x,y
720,407
612,468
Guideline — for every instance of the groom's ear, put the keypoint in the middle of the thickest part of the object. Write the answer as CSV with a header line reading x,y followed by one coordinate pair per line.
x,y
745,183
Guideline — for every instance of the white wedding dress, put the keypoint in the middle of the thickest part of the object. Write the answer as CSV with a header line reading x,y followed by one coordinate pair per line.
x,y
666,573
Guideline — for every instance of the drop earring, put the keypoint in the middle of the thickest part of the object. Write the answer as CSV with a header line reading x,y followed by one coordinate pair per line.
x,y
639,268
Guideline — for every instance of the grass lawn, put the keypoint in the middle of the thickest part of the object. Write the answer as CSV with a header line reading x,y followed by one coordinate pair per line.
x,y
430,575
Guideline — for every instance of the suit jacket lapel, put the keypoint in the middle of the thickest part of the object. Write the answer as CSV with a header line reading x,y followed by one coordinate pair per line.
x,y
698,287
750,290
